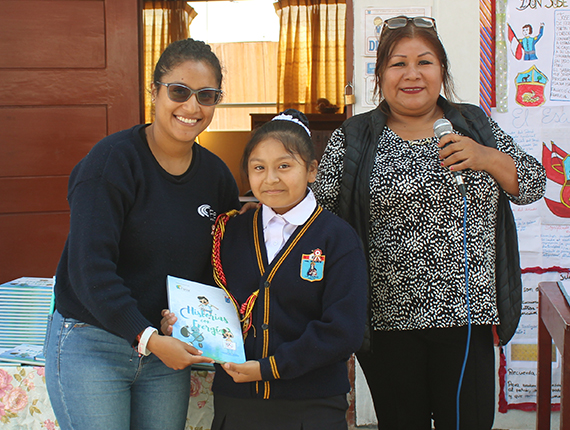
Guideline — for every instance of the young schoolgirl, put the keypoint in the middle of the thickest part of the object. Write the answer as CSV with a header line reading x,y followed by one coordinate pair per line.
x,y
301,275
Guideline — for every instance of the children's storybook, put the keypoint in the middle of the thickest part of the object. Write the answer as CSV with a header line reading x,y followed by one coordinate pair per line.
x,y
207,319
24,354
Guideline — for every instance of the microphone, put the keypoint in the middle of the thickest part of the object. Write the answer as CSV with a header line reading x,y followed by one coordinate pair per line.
x,y
441,128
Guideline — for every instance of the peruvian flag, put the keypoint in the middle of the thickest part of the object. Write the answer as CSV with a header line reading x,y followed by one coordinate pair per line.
x,y
516,47
557,196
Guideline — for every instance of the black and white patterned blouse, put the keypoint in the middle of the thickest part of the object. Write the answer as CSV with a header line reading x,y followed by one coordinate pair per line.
x,y
417,260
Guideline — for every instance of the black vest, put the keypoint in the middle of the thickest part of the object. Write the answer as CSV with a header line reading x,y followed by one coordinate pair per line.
x,y
362,133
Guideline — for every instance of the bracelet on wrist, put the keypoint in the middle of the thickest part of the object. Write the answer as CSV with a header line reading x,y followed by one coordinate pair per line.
x,y
143,340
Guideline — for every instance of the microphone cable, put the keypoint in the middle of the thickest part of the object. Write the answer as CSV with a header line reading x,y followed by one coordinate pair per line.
x,y
468,308
441,128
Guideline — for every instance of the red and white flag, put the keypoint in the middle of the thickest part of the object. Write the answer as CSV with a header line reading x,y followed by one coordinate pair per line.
x,y
516,47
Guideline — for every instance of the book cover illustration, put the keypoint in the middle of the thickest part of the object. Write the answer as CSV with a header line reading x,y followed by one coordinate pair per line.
x,y
24,354
207,319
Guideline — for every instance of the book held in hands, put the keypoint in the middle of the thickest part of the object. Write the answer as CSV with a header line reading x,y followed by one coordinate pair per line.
x,y
207,319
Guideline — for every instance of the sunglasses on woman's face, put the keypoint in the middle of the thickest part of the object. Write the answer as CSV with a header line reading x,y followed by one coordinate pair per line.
x,y
180,93
402,21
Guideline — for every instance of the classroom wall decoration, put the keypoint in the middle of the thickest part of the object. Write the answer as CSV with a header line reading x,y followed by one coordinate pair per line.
x,y
533,106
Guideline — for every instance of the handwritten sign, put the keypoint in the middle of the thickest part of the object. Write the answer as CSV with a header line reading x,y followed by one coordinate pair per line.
x,y
560,86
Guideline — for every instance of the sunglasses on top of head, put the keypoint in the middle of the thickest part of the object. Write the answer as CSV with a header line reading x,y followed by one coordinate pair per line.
x,y
403,21
180,93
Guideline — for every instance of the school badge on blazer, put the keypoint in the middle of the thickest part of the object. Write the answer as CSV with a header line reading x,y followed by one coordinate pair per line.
x,y
313,266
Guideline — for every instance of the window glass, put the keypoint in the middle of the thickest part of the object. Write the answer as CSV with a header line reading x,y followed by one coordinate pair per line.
x,y
244,35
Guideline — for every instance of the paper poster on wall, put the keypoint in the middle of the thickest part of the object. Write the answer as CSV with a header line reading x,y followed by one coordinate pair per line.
x,y
369,98
538,119
373,22
521,352
560,87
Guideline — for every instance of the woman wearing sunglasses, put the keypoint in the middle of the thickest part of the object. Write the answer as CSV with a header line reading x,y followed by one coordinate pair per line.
x,y
431,350
143,202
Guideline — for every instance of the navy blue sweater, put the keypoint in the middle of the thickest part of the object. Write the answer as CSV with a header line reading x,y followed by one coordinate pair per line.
x,y
303,331
132,223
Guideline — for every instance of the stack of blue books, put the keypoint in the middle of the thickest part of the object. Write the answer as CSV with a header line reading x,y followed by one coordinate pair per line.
x,y
25,304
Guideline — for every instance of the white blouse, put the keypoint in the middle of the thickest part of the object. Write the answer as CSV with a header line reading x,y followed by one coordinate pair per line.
x,y
278,228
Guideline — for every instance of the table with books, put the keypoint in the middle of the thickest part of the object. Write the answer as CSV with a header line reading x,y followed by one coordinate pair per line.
x,y
25,304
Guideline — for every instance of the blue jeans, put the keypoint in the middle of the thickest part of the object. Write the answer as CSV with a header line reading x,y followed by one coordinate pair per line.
x,y
97,381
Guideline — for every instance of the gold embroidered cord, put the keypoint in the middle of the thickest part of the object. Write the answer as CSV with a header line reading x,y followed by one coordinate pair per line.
x,y
246,308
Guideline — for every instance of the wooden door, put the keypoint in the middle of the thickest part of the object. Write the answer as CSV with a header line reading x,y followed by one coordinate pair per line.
x,y
69,73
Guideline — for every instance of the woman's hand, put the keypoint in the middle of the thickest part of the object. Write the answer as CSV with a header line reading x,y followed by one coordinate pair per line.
x,y
461,153
248,206
174,353
167,322
249,371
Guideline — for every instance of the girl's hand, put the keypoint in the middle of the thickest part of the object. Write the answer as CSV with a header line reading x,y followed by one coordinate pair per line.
x,y
174,353
167,321
249,371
